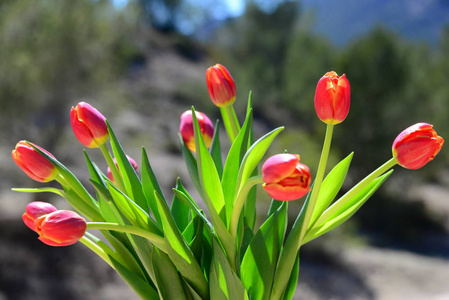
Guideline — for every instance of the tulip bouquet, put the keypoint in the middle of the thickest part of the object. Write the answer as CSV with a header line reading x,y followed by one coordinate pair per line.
x,y
179,251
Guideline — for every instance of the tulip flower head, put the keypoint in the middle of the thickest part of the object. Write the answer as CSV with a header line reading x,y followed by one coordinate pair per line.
x,y
332,98
133,164
35,210
220,85
89,125
60,228
33,163
416,146
187,130
285,178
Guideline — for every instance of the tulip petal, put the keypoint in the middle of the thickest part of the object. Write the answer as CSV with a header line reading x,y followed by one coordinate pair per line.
x,y
279,167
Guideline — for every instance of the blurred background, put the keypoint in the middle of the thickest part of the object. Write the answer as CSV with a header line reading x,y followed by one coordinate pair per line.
x,y
142,63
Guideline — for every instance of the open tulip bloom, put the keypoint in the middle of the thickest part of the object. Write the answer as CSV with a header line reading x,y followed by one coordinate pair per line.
x,y
177,251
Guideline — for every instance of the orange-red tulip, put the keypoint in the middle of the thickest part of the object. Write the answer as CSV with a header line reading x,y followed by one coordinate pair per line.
x,y
285,178
60,228
35,210
187,132
89,125
416,146
220,85
32,163
332,98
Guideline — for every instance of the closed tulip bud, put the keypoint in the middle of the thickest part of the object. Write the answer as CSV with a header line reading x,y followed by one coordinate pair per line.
x,y
416,146
33,163
187,131
133,164
60,228
285,178
332,98
89,125
35,210
220,85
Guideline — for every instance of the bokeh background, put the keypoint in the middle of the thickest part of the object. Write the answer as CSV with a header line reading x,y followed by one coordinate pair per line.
x,y
142,63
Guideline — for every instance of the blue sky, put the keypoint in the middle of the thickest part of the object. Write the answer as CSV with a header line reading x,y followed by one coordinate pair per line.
x,y
235,7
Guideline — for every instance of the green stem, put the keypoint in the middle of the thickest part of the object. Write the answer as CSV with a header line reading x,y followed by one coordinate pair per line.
x,y
318,180
113,167
299,229
95,248
230,121
240,201
80,200
356,189
157,240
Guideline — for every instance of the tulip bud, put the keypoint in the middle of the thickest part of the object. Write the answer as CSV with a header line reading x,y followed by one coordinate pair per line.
x,y
32,163
34,210
133,164
187,131
285,178
60,228
416,146
220,85
332,98
89,125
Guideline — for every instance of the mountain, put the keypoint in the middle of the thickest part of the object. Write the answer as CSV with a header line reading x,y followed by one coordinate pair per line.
x,y
343,21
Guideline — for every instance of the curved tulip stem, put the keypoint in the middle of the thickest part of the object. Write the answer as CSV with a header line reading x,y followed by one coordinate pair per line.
x,y
113,167
157,240
230,121
240,201
97,250
356,189
318,179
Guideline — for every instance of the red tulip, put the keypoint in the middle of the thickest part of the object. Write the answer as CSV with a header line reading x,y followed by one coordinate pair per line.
x,y
133,164
32,163
285,178
416,146
187,132
332,98
89,125
220,85
34,210
60,228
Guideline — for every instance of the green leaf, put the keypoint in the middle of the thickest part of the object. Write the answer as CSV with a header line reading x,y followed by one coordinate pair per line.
x,y
95,174
180,212
209,179
254,155
218,230
167,278
289,253
224,283
134,213
293,282
142,288
130,178
347,210
232,164
40,190
179,253
260,260
149,185
215,149
274,206
192,166
194,236
330,187
188,201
